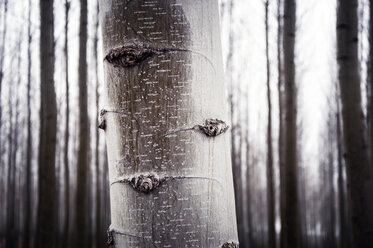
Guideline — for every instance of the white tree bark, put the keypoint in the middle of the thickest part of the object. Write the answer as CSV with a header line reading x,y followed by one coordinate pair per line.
x,y
168,149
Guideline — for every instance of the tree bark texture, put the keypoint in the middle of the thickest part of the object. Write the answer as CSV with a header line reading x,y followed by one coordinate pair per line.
x,y
47,207
292,224
170,169
358,167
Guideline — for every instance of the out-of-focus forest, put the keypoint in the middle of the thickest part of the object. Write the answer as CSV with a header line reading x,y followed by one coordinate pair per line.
x,y
300,95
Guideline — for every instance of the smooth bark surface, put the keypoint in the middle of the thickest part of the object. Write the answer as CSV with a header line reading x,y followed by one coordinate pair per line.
x,y
47,207
358,167
163,73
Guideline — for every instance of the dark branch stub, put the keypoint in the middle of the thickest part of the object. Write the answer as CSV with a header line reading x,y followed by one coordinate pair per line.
x,y
213,127
102,124
230,245
110,239
146,183
128,56
131,55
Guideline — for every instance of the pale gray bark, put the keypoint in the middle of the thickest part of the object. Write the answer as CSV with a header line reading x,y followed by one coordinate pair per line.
x,y
163,74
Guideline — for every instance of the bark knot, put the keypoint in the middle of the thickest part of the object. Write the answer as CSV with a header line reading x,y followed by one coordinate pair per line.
x,y
230,245
102,124
128,56
213,127
145,183
110,239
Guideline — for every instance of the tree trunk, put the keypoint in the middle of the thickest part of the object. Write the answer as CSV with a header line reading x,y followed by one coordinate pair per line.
x,y
235,151
47,207
65,229
81,214
98,230
370,79
171,179
292,223
281,143
343,237
358,167
249,233
10,215
28,184
270,184
2,56
331,228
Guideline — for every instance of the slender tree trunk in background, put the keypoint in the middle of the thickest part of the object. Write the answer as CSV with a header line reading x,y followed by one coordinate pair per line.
x,y
155,74
270,183
28,185
248,202
47,207
2,57
332,211
292,224
83,165
14,149
10,216
237,166
281,143
66,223
98,230
106,213
370,79
344,240
358,167
328,187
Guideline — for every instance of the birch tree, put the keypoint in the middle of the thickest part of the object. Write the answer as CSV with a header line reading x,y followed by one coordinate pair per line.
x,y
165,122
358,167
